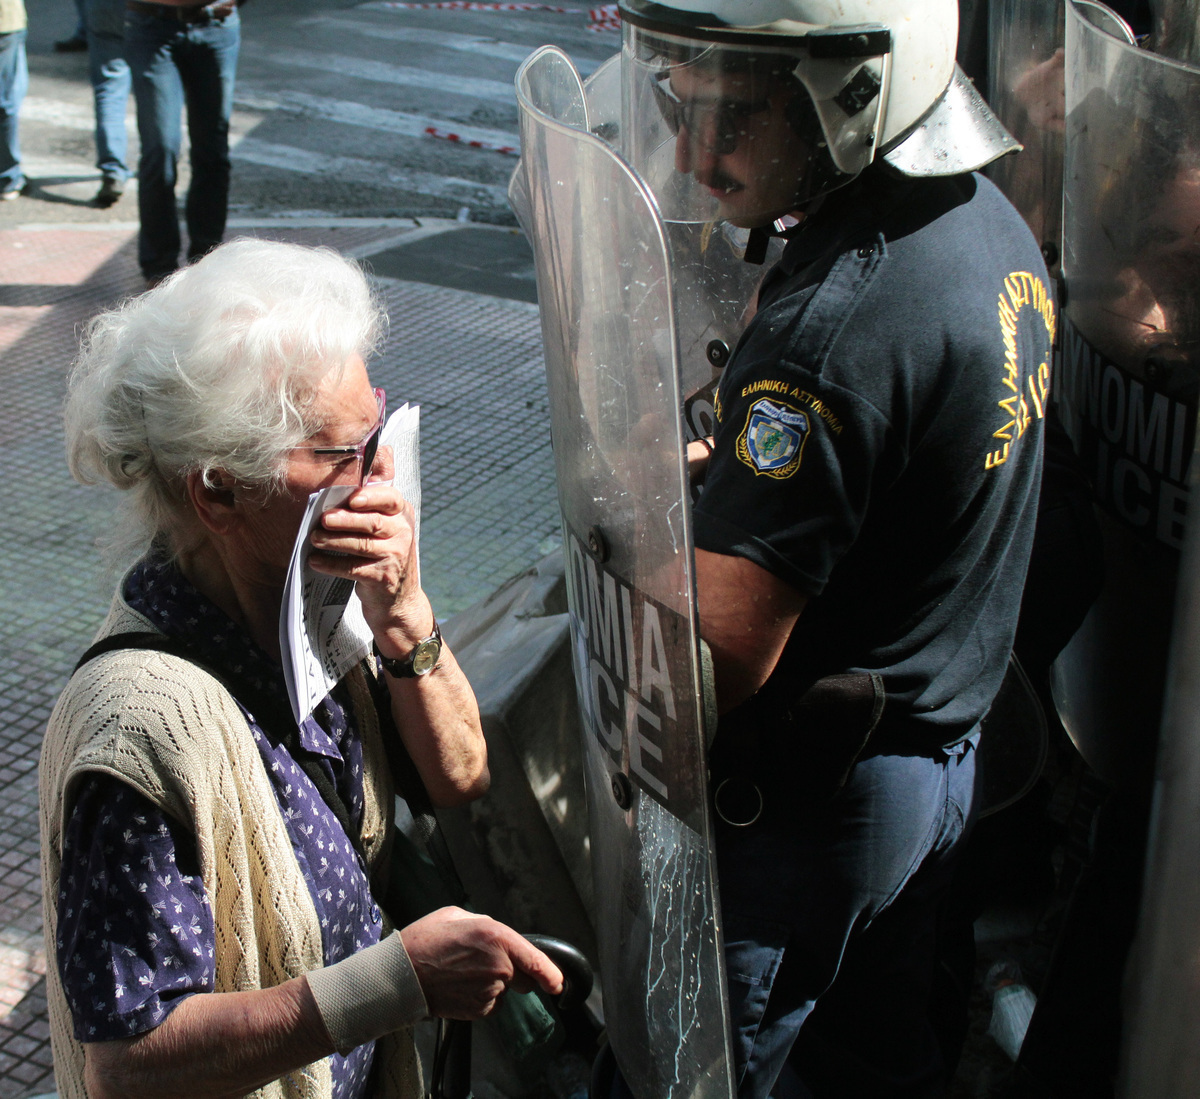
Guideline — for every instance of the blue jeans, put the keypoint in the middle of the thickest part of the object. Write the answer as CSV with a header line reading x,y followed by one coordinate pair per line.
x,y
174,65
829,932
109,74
14,82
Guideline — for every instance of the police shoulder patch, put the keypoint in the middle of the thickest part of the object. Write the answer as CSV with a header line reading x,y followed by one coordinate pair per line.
x,y
772,442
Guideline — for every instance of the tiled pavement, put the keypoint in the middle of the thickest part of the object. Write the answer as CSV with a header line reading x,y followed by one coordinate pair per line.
x,y
472,361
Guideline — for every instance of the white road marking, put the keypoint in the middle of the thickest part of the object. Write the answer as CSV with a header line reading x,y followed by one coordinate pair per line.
x,y
466,43
54,112
358,68
359,114
248,97
354,169
74,116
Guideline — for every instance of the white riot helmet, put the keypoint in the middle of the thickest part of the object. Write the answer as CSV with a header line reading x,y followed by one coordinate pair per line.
x,y
748,109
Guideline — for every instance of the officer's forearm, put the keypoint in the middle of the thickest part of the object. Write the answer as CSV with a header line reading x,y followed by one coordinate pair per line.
x,y
746,616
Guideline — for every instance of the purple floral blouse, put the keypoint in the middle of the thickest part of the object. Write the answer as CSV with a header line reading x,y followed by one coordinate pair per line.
x,y
135,923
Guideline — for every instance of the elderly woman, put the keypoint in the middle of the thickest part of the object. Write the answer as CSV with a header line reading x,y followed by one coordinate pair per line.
x,y
212,873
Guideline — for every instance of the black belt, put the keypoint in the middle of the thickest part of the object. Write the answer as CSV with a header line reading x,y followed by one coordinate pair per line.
x,y
192,14
776,752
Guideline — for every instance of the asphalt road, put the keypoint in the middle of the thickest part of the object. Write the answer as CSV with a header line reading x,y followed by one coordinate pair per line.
x,y
333,103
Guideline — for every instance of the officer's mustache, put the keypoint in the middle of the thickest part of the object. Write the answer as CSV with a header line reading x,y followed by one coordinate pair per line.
x,y
719,181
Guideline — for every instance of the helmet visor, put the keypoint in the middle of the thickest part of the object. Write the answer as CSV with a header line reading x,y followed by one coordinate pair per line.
x,y
748,133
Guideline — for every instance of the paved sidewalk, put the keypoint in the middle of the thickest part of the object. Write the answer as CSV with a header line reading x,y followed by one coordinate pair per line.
x,y
471,359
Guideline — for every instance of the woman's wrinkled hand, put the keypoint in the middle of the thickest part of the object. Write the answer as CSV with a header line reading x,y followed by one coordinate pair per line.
x,y
371,539
465,963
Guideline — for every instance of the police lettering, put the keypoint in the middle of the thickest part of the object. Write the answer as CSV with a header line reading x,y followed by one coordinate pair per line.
x,y
629,702
787,389
1135,441
1023,399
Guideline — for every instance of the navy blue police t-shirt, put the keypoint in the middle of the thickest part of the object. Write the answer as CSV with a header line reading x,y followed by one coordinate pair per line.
x,y
878,442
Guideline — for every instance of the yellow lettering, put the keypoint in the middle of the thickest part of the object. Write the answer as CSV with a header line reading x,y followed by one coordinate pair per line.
x,y
764,385
1016,290
1029,392
1008,318
1038,398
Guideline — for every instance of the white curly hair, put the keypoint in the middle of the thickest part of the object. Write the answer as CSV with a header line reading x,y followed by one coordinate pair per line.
x,y
214,369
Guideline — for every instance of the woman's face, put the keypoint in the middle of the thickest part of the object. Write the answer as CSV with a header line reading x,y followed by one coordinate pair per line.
x,y
270,518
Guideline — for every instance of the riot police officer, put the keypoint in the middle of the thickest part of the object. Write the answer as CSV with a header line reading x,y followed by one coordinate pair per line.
x,y
865,524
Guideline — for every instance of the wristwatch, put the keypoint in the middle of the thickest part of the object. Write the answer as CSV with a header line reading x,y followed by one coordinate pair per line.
x,y
421,661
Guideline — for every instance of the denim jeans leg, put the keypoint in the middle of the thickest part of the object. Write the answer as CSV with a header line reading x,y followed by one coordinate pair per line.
x,y
150,45
14,82
208,64
807,900
870,1037
109,73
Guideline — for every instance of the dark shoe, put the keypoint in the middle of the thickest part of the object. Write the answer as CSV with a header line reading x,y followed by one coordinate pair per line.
x,y
74,44
111,189
21,188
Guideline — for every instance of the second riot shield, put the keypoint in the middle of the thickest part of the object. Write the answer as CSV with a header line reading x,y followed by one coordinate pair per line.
x,y
1128,390
1026,89
612,362
1129,373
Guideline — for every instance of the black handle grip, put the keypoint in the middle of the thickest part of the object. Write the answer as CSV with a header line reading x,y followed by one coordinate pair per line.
x,y
576,969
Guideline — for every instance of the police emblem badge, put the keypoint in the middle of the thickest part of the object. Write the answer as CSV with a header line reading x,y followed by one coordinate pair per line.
x,y
772,442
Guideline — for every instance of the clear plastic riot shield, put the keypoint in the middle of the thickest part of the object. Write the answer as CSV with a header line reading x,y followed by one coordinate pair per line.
x,y
715,287
612,362
1026,78
1161,1058
1025,89
1176,31
1129,373
1129,381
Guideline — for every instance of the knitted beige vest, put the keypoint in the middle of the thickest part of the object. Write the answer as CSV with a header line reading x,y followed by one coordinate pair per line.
x,y
174,734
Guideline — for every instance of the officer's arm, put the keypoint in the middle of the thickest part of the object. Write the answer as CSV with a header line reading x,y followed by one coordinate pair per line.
x,y
746,616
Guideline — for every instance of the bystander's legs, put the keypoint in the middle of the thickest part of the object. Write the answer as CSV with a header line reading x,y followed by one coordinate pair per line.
x,y
172,63
150,43
14,81
208,64
110,78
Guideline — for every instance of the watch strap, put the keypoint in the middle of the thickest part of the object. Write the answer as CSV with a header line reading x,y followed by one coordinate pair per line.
x,y
405,667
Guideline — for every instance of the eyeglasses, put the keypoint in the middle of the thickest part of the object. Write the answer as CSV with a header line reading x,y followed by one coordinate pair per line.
x,y
718,123
364,451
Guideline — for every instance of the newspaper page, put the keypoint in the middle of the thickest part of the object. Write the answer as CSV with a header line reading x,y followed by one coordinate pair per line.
x,y
322,632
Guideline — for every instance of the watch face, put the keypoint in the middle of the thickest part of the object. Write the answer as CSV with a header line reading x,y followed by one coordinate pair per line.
x,y
425,656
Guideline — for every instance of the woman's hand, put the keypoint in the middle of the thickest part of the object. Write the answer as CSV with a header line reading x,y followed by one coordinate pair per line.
x,y
466,962
371,540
